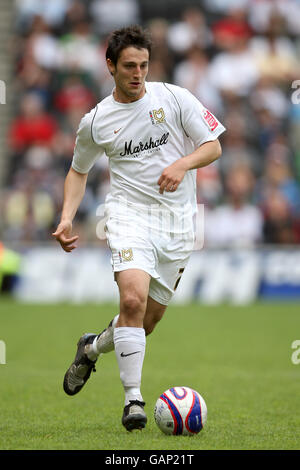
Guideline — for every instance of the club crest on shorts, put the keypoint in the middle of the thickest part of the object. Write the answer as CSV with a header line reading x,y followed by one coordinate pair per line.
x,y
127,254
157,116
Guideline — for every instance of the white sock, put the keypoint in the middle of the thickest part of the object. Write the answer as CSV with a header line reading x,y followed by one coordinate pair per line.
x,y
130,346
103,343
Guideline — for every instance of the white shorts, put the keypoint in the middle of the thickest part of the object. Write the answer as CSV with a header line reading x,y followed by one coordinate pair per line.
x,y
163,256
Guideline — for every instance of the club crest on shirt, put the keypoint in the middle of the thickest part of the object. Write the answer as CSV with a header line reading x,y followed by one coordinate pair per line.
x,y
126,254
157,116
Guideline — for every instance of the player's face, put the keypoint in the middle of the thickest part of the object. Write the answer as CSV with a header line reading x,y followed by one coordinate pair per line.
x,y
130,74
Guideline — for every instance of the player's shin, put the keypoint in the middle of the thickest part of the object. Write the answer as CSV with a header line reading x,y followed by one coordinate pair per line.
x,y
130,343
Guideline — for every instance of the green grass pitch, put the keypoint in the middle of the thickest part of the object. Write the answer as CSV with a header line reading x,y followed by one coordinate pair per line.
x,y
238,358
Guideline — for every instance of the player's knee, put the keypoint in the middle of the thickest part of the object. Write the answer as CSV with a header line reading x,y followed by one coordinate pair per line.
x,y
133,304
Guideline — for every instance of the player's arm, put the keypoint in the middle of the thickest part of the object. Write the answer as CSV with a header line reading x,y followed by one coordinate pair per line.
x,y
74,189
172,176
86,152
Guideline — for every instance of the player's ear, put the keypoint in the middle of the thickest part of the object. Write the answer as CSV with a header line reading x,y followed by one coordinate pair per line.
x,y
111,67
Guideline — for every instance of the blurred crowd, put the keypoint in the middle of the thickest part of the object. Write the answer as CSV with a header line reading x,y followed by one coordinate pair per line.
x,y
240,58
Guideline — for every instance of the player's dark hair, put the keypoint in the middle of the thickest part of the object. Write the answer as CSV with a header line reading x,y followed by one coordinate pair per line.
x,y
131,36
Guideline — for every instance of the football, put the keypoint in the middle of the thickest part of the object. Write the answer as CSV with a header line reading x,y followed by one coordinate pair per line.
x,y
180,410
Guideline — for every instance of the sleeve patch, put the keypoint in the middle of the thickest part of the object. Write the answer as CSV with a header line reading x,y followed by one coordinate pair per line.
x,y
210,119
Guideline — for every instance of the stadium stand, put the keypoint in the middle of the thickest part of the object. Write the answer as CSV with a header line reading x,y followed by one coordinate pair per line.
x,y
240,58
6,65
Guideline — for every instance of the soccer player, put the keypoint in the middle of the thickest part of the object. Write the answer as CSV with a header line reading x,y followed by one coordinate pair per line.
x,y
155,136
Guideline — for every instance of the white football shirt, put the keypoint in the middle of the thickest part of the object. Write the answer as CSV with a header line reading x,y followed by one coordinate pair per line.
x,y
140,140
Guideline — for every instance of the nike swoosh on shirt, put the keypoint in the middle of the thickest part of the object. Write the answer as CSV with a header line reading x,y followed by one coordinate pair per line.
x,y
115,132
130,354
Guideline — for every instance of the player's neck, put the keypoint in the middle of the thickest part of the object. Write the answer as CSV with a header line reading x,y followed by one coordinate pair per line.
x,y
122,97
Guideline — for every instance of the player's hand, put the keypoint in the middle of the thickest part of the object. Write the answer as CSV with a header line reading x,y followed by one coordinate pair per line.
x,y
63,236
172,176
